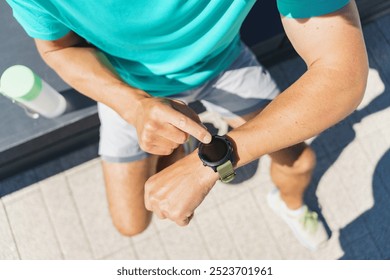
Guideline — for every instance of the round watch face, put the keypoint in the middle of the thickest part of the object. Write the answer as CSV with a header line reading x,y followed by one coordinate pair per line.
x,y
215,151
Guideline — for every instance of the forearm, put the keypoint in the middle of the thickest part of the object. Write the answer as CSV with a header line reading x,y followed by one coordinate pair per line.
x,y
318,100
88,71
161,126
334,51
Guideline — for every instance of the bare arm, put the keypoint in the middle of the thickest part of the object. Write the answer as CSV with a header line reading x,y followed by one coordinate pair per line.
x,y
332,87
83,68
160,128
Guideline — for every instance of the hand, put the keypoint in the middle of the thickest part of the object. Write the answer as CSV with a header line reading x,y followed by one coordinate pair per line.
x,y
177,190
163,124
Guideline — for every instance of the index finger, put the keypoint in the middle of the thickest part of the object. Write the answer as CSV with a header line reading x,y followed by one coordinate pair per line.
x,y
188,125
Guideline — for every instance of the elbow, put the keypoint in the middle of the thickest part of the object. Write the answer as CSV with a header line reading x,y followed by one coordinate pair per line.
x,y
359,84
46,56
49,50
351,77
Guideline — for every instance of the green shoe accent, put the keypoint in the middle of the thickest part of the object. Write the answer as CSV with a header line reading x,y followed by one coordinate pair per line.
x,y
309,220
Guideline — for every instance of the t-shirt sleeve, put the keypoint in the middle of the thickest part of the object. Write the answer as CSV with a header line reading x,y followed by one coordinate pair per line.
x,y
37,21
309,8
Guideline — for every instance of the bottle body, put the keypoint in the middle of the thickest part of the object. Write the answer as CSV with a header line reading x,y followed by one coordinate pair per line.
x,y
22,85
49,103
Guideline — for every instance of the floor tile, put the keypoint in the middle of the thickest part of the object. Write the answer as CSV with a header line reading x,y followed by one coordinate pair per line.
x,y
65,217
285,242
87,187
361,249
375,146
85,166
248,230
161,224
334,198
126,253
184,242
223,192
150,248
356,176
8,250
31,225
216,235
331,251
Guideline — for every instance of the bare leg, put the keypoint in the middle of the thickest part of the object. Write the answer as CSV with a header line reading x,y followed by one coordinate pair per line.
x,y
125,193
125,190
291,171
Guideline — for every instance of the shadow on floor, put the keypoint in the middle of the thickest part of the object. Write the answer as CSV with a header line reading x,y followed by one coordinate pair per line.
x,y
367,237
374,224
48,168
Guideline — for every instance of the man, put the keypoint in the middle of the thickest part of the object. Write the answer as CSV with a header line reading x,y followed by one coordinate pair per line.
x,y
159,52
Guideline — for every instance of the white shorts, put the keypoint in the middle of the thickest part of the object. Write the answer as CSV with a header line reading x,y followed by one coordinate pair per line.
x,y
242,88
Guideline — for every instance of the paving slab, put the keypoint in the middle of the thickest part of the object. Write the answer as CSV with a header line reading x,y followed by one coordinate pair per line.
x,y
151,248
87,187
184,242
249,232
31,225
65,217
126,253
8,249
285,242
212,227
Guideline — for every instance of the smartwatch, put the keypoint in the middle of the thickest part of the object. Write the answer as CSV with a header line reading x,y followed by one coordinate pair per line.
x,y
219,155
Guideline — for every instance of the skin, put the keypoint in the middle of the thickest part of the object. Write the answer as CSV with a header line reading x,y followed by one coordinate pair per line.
x,y
334,51
332,87
161,127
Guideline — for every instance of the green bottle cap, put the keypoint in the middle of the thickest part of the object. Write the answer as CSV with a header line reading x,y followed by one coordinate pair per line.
x,y
20,83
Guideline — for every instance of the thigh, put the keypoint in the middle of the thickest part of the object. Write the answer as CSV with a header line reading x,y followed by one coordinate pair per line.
x,y
126,168
118,139
243,89
125,183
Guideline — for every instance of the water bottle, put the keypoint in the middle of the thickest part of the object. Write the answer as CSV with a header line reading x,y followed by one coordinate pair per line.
x,y
27,89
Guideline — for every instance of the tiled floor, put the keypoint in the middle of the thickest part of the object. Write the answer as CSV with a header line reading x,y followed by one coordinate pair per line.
x,y
66,216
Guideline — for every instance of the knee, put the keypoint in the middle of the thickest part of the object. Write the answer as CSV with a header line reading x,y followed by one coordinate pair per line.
x,y
130,227
306,162
302,165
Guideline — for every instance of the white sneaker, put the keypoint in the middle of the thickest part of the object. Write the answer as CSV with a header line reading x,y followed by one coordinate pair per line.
x,y
304,223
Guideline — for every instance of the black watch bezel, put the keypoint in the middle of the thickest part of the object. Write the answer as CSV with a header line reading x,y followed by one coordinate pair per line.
x,y
214,164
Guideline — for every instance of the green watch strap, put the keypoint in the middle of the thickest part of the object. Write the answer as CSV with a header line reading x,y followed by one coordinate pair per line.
x,y
226,172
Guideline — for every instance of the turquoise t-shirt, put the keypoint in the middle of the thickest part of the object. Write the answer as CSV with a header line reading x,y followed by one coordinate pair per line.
x,y
161,46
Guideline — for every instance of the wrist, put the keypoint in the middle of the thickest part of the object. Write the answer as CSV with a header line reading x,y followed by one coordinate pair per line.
x,y
128,102
205,173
